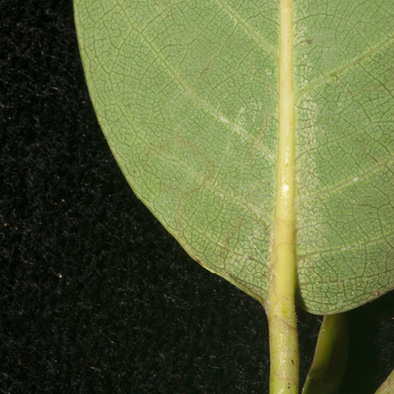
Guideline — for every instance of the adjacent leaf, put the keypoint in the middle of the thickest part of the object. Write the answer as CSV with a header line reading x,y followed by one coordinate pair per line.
x,y
387,387
330,359
186,93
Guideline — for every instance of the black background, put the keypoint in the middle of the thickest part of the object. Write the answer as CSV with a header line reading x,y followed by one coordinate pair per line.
x,y
95,296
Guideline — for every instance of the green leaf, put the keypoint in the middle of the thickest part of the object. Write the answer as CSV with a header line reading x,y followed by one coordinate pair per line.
x,y
387,387
330,359
187,95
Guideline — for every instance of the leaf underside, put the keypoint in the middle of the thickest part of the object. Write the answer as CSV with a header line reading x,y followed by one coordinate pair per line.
x,y
187,96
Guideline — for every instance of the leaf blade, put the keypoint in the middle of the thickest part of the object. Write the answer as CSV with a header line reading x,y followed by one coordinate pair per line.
x,y
189,92
345,156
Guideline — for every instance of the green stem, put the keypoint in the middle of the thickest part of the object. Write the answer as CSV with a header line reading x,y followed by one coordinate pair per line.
x,y
280,303
283,348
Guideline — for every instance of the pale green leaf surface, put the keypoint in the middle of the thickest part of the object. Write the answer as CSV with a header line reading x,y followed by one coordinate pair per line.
x,y
187,96
387,387
330,358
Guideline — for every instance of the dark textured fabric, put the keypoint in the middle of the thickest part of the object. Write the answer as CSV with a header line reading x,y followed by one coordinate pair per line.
x,y
95,296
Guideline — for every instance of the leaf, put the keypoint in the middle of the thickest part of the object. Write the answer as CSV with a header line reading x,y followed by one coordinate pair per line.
x,y
187,95
330,359
387,387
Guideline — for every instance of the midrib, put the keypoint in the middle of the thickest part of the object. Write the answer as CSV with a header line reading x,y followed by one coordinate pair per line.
x,y
279,305
284,209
